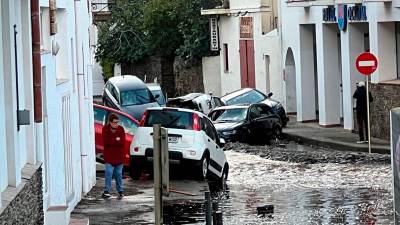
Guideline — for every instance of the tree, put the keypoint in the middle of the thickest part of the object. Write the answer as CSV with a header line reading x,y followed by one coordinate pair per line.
x,y
139,28
123,37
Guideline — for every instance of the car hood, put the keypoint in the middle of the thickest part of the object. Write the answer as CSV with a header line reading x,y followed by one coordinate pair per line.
x,y
137,110
270,102
221,126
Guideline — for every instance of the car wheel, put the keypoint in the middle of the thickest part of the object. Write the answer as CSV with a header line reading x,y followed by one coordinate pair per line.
x,y
135,169
277,133
202,168
244,136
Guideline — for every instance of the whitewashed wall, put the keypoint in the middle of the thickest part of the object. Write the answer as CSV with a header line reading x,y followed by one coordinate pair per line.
x,y
212,75
266,48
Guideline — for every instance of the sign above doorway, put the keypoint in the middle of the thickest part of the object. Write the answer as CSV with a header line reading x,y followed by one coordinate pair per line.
x,y
246,27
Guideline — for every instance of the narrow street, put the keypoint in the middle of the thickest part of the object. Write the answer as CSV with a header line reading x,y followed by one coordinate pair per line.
x,y
305,186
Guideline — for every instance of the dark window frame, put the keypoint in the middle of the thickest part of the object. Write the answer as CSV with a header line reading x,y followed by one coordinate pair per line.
x,y
226,58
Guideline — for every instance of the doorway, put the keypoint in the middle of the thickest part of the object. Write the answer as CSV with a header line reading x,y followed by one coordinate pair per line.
x,y
247,65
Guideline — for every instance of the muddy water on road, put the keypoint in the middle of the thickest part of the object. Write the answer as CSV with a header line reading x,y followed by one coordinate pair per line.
x,y
307,193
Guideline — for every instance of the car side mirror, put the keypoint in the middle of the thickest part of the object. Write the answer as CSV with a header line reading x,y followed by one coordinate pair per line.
x,y
157,96
270,94
222,142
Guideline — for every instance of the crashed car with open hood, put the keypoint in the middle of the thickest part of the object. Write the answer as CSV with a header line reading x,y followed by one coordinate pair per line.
x,y
196,101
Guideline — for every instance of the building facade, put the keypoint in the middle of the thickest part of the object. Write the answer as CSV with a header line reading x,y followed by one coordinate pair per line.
x,y
48,161
249,46
321,40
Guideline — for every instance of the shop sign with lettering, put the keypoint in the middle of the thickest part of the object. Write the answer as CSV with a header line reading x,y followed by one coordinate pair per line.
x,y
214,34
329,14
357,13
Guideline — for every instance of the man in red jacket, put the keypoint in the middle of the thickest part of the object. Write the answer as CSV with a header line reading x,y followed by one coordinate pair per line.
x,y
114,141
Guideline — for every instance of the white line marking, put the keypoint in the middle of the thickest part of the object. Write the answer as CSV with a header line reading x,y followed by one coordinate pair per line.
x,y
366,63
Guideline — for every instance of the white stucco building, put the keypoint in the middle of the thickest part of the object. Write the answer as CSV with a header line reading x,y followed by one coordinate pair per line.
x,y
250,50
61,141
319,57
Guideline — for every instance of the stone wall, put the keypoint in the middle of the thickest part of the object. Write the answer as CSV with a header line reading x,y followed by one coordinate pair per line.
x,y
188,76
176,76
149,67
27,206
386,97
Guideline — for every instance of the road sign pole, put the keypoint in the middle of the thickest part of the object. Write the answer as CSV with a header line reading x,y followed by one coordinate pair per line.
x,y
367,63
369,122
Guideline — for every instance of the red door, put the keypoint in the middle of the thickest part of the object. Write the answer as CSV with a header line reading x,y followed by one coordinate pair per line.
x,y
247,66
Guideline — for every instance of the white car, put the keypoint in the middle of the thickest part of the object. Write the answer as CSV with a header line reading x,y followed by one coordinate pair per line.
x,y
193,143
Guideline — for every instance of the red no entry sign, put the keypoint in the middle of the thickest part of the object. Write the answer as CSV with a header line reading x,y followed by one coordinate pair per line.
x,y
366,63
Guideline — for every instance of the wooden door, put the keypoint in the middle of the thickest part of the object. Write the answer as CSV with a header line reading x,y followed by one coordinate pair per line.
x,y
247,65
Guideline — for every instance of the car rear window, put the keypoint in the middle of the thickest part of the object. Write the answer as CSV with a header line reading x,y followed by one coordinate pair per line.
x,y
170,119
250,97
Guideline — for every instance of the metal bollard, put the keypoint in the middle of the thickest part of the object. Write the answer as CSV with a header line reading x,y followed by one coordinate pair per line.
x,y
208,208
218,218
214,211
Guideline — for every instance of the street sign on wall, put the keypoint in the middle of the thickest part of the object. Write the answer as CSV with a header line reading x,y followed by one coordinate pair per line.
x,y
214,44
366,63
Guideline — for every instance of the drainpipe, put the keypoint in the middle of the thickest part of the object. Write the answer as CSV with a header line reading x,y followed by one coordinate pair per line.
x,y
81,95
37,77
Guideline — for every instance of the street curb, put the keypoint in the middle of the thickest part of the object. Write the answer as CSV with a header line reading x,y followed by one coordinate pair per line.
x,y
337,145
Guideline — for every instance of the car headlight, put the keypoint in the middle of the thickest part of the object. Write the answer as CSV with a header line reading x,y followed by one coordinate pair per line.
x,y
229,132
191,153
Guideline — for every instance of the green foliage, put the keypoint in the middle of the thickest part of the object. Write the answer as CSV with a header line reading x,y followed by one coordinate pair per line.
x,y
123,37
108,69
139,28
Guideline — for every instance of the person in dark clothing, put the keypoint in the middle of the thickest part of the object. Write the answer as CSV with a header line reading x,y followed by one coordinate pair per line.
x,y
361,108
114,145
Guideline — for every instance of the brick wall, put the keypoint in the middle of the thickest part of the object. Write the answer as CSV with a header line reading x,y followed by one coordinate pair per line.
x,y
386,97
27,206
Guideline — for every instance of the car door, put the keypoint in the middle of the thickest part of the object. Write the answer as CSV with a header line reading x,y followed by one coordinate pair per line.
x,y
255,126
107,96
100,116
216,164
269,118
113,97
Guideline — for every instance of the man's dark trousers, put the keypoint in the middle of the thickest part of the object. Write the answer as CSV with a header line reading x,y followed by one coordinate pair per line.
x,y
362,122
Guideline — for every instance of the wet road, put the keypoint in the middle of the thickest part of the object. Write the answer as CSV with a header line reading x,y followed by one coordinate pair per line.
x,y
320,193
305,185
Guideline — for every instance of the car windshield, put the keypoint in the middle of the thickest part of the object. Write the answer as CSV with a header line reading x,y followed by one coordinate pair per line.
x,y
136,97
249,97
170,119
224,115
160,99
